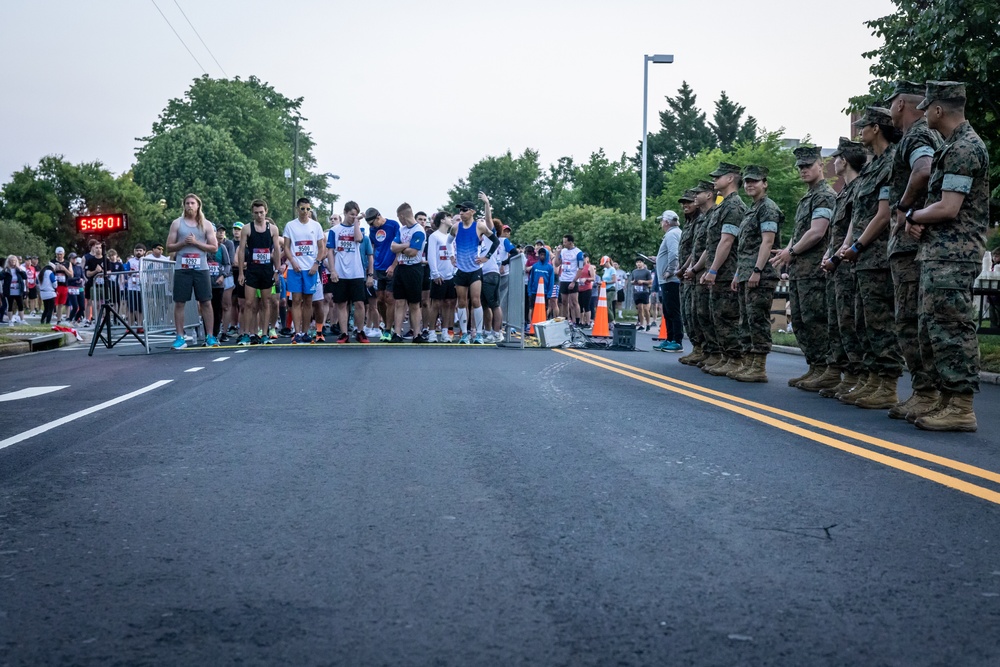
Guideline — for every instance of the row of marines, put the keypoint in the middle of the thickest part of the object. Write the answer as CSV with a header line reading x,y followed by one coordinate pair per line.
x,y
880,274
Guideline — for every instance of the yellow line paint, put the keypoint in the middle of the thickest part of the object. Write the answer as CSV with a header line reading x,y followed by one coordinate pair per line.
x,y
833,428
913,469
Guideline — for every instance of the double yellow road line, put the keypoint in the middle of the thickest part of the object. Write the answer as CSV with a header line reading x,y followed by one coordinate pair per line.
x,y
796,424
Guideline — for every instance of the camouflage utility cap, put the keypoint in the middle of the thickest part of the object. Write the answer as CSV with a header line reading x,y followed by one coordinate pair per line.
x,y
807,155
725,168
704,186
688,196
755,172
902,87
874,116
847,147
942,90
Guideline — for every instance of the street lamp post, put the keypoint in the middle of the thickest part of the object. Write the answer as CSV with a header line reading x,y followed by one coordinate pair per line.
x,y
645,104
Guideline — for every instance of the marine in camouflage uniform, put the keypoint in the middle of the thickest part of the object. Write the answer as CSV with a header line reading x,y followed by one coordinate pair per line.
x,y
911,168
755,278
875,301
845,352
952,232
702,305
723,227
684,252
807,280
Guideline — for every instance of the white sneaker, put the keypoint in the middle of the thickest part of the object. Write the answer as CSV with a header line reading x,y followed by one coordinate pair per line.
x,y
498,337
444,337
432,337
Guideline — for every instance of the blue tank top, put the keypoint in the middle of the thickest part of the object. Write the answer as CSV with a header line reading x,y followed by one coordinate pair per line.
x,y
467,247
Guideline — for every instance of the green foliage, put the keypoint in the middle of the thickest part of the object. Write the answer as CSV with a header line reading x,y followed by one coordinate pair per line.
x,y
514,185
202,160
17,239
597,230
784,185
46,199
957,40
607,184
262,124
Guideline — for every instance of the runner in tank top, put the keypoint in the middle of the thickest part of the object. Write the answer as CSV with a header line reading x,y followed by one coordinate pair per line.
x,y
191,238
259,261
469,276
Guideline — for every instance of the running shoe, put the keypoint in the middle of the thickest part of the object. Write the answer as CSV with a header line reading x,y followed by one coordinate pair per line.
x,y
386,337
266,341
464,340
233,330
307,339
408,335
395,339
255,339
179,343
673,346
420,338
140,330
243,340
478,340
360,336
343,338
286,332
272,334
431,336
211,341
444,337
296,339
224,337
319,337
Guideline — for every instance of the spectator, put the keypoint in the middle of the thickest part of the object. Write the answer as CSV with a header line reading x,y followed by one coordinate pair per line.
x,y
15,286
642,281
610,278
667,264
585,287
47,292
63,271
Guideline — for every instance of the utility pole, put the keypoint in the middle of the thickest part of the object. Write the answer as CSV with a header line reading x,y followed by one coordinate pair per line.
x,y
295,169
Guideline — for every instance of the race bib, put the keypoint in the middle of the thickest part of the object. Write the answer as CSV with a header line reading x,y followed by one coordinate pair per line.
x,y
213,269
261,256
346,243
60,278
443,253
73,290
304,249
98,281
191,261
15,289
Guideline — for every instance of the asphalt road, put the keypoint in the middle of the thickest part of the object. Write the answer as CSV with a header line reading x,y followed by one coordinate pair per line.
x,y
470,506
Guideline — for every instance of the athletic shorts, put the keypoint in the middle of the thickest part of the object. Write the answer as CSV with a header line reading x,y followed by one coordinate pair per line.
x,y
318,287
371,291
383,282
62,295
620,296
466,278
444,291
348,290
259,279
564,288
427,277
641,298
328,286
33,292
187,279
301,282
407,283
134,300
491,290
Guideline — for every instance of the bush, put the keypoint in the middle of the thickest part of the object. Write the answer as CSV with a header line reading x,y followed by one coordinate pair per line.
x,y
17,239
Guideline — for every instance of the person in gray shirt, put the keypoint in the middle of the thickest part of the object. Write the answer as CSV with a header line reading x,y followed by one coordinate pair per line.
x,y
667,268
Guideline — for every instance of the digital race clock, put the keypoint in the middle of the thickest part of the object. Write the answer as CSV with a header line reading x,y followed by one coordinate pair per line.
x,y
107,223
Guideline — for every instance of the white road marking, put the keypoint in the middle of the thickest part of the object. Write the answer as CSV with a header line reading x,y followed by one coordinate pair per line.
x,y
195,369
241,351
38,430
220,359
29,392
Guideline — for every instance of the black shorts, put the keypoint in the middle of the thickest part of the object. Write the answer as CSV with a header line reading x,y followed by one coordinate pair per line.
x,y
427,277
466,278
491,290
641,298
370,291
407,282
328,287
349,290
33,292
187,279
383,282
620,296
134,300
564,288
263,280
444,291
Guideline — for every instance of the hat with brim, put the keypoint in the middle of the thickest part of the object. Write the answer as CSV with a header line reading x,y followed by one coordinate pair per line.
x,y
467,205
847,146
947,91
726,168
874,116
902,87
807,155
688,196
755,172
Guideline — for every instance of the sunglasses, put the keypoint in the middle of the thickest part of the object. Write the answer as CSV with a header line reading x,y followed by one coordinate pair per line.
x,y
462,209
304,208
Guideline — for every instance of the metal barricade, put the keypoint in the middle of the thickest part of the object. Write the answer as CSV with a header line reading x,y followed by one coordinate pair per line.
x,y
513,305
156,280
109,288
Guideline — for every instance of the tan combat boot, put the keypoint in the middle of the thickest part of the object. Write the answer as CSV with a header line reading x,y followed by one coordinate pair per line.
x,y
711,360
924,403
808,375
828,379
899,410
862,379
755,371
957,415
863,388
882,398
693,358
849,380
731,363
741,363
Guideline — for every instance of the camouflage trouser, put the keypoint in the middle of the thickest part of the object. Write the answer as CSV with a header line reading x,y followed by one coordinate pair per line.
x,y
947,327
845,287
755,316
687,313
836,356
726,317
876,303
808,299
906,279
703,319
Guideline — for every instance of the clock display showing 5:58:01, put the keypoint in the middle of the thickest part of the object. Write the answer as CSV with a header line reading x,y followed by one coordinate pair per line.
x,y
106,223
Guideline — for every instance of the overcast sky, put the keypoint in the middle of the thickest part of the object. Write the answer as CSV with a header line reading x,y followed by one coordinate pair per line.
x,y
402,98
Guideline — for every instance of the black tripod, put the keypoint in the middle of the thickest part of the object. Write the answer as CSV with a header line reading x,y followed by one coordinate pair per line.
x,y
108,314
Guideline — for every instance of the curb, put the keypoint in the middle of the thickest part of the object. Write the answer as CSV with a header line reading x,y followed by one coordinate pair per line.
x,y
984,376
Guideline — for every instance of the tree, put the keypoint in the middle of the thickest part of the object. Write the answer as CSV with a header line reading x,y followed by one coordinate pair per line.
x,y
607,184
597,230
202,160
558,185
17,239
956,40
727,126
263,125
514,185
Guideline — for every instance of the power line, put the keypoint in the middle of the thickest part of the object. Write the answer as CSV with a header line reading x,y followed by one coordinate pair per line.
x,y
204,71
200,39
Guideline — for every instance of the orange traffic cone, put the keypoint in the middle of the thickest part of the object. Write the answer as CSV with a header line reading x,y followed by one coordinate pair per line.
x,y
664,334
601,316
538,314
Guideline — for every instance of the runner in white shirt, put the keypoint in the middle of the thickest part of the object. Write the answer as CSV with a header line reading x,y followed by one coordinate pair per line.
x,y
570,261
441,260
492,315
348,274
304,249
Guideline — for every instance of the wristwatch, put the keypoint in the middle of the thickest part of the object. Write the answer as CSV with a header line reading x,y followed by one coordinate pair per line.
x,y
791,252
756,270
